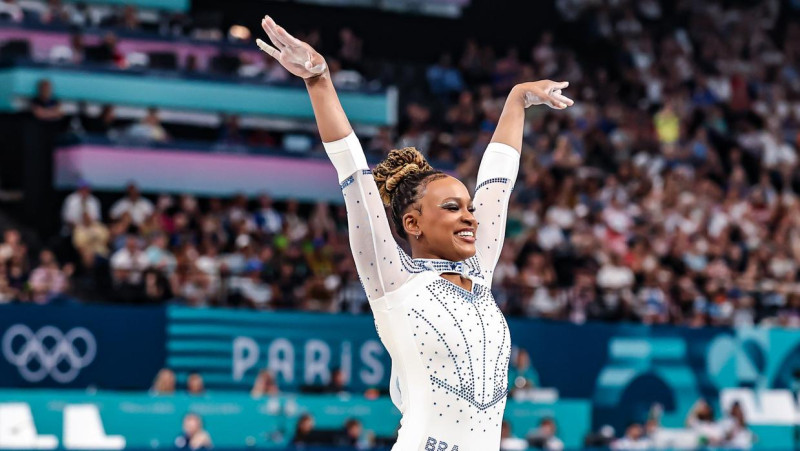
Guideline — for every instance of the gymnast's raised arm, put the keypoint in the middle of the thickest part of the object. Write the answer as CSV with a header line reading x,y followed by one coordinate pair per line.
x,y
378,258
498,170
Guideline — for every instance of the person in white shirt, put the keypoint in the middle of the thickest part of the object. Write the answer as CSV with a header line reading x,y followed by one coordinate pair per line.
x,y
700,420
267,219
544,437
137,206
634,438
734,428
508,442
128,263
80,202
434,310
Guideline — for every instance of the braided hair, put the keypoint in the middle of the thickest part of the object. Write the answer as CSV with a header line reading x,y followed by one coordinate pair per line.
x,y
401,179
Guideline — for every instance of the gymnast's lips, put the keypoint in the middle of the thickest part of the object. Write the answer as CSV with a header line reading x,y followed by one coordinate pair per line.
x,y
468,239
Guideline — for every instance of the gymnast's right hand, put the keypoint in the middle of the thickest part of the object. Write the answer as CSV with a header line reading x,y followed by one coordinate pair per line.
x,y
293,54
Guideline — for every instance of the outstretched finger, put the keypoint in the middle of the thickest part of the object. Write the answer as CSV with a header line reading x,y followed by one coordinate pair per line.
x,y
287,38
272,31
562,98
270,50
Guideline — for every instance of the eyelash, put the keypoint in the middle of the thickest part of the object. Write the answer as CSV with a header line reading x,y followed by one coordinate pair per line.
x,y
454,208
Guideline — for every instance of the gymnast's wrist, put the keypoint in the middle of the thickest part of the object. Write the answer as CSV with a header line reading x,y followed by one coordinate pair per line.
x,y
317,79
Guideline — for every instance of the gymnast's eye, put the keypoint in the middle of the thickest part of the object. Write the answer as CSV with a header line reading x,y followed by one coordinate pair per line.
x,y
471,209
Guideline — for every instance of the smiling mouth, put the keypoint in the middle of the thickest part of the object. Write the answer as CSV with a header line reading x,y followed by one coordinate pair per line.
x,y
468,237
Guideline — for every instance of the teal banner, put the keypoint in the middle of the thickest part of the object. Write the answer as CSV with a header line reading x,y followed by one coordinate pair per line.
x,y
617,371
147,90
76,420
229,347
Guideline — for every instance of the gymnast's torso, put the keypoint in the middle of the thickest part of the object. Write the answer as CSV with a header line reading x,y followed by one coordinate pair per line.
x,y
450,350
449,347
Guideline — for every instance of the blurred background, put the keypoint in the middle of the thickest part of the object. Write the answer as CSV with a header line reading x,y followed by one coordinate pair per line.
x,y
174,262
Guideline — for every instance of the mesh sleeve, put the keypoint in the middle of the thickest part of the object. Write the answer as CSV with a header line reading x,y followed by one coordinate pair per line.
x,y
379,260
496,177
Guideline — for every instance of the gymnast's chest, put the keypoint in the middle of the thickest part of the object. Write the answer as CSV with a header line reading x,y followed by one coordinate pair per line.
x,y
451,324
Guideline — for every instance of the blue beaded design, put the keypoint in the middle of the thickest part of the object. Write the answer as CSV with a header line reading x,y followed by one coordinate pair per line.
x,y
347,182
494,180
466,387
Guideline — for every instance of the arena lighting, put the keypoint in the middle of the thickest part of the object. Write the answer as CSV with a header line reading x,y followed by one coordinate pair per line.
x,y
239,32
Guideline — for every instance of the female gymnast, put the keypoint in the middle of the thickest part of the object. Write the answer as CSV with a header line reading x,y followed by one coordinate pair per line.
x,y
434,311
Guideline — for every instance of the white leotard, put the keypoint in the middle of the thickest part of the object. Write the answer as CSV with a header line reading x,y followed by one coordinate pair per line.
x,y
449,347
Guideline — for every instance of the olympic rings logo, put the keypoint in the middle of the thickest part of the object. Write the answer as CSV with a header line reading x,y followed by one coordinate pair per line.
x,y
52,352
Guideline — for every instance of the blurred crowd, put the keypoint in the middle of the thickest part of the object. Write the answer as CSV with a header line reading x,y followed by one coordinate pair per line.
x,y
96,31
122,17
667,194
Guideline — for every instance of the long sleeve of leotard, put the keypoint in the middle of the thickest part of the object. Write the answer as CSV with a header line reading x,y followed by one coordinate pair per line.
x,y
378,258
496,176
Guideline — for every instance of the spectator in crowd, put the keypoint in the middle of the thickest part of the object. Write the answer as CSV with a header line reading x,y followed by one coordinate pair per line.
x,y
130,18
250,289
602,438
49,280
77,49
14,257
158,255
11,10
90,239
521,374
267,218
230,134
350,52
700,420
139,208
195,385
352,436
128,263
634,438
338,384
193,435
44,106
7,292
265,384
544,437
80,203
444,79
303,431
148,130
736,433
164,384
106,52
508,442
104,124
350,297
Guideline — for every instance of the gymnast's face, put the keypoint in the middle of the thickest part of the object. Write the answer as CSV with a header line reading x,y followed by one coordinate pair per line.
x,y
444,218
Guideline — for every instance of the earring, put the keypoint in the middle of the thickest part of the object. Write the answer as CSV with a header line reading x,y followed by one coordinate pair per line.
x,y
418,236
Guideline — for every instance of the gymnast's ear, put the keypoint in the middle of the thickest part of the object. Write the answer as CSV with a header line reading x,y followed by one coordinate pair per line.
x,y
411,223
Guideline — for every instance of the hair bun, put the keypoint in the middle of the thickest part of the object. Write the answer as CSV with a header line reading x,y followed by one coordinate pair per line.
x,y
399,164
397,177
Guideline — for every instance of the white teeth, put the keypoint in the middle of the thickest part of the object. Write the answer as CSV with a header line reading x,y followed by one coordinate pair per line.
x,y
466,233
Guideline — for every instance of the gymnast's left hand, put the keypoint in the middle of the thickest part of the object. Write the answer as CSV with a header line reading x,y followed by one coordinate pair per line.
x,y
296,56
544,92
